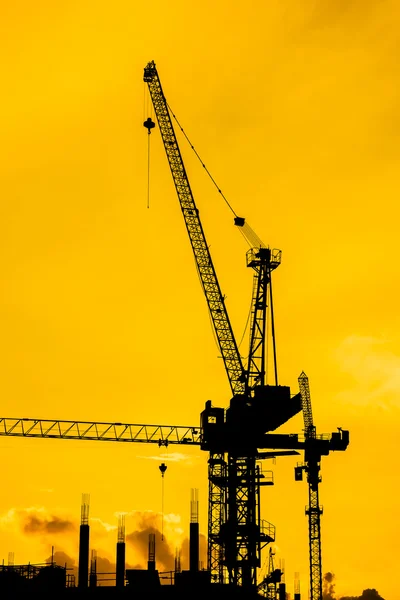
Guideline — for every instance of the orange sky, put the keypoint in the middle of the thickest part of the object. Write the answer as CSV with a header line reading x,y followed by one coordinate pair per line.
x,y
294,108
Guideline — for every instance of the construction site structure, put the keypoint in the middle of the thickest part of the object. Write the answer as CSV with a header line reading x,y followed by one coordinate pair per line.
x,y
270,584
84,532
194,548
237,438
93,570
120,559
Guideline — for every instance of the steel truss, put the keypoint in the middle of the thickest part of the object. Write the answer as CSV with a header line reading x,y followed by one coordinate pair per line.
x,y
263,261
163,435
314,512
217,478
244,533
204,264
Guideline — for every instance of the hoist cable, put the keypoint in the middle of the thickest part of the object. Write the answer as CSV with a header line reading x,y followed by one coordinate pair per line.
x,y
249,235
198,156
162,508
148,170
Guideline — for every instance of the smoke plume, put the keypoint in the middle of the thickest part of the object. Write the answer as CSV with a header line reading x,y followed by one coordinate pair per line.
x,y
139,539
62,559
33,523
202,552
328,587
328,591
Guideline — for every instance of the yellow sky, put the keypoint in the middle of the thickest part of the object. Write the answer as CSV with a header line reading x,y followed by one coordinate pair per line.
x,y
294,106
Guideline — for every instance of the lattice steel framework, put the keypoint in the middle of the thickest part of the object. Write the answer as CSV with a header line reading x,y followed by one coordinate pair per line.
x,y
304,388
163,435
241,535
313,511
217,480
244,533
204,264
263,261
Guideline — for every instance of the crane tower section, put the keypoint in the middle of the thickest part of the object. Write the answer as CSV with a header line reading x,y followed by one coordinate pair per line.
x,y
263,261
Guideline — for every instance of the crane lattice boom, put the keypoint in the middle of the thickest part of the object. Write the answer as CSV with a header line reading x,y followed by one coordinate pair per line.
x,y
304,387
163,435
208,277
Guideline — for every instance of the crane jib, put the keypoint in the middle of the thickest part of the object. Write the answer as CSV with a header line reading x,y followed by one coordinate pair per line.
x,y
212,291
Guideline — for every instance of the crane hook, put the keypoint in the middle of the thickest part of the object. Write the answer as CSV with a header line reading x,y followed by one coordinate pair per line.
x,y
163,468
149,124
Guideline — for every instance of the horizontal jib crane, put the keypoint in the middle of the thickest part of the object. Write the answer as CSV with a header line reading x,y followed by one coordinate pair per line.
x,y
163,435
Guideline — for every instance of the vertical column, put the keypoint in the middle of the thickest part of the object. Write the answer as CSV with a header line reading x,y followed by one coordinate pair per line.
x,y
93,570
194,532
177,560
120,568
297,586
83,568
151,563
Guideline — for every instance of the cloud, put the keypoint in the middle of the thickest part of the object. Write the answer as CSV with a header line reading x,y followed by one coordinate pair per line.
x,y
147,523
328,586
61,559
172,456
185,555
36,520
33,523
106,526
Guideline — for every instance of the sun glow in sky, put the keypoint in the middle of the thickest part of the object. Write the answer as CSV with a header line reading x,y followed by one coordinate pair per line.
x,y
294,107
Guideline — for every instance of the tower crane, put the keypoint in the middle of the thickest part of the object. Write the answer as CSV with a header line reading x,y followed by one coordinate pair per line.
x,y
312,460
237,438
235,532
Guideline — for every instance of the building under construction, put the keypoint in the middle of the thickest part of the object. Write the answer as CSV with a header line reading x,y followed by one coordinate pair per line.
x,y
237,438
50,580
